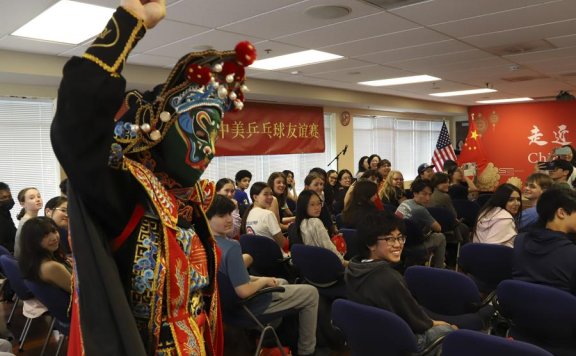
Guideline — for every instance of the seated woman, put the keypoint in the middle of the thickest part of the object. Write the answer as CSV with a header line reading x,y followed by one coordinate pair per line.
x,y
344,181
31,202
315,182
225,187
309,229
292,196
497,218
258,219
277,182
361,202
40,257
372,280
57,209
392,192
441,199
362,166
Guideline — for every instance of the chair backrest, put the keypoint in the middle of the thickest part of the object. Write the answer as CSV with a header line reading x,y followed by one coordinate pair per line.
x,y
444,217
265,252
372,331
488,264
339,221
414,234
475,343
317,265
540,314
12,272
4,251
351,242
466,210
442,291
54,298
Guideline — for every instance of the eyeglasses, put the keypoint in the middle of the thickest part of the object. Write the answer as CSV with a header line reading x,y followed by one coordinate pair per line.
x,y
63,210
391,240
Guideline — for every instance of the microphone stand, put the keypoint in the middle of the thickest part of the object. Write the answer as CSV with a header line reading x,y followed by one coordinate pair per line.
x,y
338,157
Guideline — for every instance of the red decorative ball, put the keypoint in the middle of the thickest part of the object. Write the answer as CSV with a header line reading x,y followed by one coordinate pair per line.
x,y
198,74
245,53
233,68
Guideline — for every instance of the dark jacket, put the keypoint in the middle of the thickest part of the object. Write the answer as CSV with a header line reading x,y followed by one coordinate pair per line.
x,y
7,230
377,284
545,257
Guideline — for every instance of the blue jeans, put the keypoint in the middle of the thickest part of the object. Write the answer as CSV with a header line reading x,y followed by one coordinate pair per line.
x,y
431,335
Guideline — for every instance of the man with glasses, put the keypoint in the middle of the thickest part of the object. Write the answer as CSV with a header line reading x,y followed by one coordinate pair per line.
x,y
372,280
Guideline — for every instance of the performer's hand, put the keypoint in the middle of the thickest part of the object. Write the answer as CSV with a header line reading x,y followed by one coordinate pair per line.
x,y
150,11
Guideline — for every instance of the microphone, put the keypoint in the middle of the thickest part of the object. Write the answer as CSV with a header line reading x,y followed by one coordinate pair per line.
x,y
344,150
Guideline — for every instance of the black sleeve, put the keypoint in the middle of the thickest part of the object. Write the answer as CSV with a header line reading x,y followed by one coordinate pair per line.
x,y
89,96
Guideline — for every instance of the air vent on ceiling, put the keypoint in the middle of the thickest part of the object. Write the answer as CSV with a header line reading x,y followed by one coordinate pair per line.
x,y
393,4
524,78
521,48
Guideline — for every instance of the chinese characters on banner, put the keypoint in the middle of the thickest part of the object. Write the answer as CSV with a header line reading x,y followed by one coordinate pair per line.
x,y
263,129
517,136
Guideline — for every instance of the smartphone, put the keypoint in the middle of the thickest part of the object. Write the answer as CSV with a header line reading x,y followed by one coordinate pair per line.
x,y
545,166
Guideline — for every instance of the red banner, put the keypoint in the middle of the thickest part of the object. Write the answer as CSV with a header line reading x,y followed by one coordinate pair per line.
x,y
517,136
265,129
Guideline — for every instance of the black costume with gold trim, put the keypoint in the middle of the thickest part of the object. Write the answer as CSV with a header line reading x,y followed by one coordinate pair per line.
x,y
145,260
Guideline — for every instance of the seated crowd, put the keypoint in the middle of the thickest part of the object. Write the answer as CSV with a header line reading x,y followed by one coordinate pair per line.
x,y
538,223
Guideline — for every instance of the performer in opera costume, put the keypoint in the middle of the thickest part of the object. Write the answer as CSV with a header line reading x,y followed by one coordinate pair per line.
x,y
145,260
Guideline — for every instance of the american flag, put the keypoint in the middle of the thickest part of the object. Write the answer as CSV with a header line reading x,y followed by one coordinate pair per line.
x,y
444,150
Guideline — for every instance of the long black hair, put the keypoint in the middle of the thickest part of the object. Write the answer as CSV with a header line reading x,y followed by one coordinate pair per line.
x,y
499,200
302,212
32,254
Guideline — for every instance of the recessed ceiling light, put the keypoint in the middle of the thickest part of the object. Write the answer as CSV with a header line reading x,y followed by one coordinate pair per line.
x,y
498,101
68,22
400,81
328,12
294,60
465,92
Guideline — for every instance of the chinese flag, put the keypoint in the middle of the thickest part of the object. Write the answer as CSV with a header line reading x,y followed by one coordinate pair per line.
x,y
473,150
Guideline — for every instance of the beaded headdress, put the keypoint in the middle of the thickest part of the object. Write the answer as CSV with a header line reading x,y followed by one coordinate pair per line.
x,y
199,79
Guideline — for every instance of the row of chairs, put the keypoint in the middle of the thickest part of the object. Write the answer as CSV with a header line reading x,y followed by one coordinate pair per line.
x,y
53,298
372,331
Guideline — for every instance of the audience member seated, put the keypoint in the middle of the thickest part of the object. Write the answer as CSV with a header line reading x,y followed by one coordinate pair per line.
x,y
536,184
372,280
545,254
292,196
332,178
441,199
392,192
277,181
342,185
457,177
57,209
373,161
7,227
315,182
362,166
370,175
384,167
497,218
299,297
559,170
258,219
328,196
425,172
40,257
225,187
566,153
31,202
242,179
415,210
361,202
309,229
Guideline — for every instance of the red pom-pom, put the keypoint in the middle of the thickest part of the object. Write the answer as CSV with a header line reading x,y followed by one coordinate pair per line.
x,y
245,53
233,68
198,74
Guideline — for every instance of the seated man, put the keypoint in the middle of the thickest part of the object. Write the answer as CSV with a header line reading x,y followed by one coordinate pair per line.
x,y
546,255
372,280
415,210
300,297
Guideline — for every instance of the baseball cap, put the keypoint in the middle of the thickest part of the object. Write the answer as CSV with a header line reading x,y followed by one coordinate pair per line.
x,y
423,167
561,151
